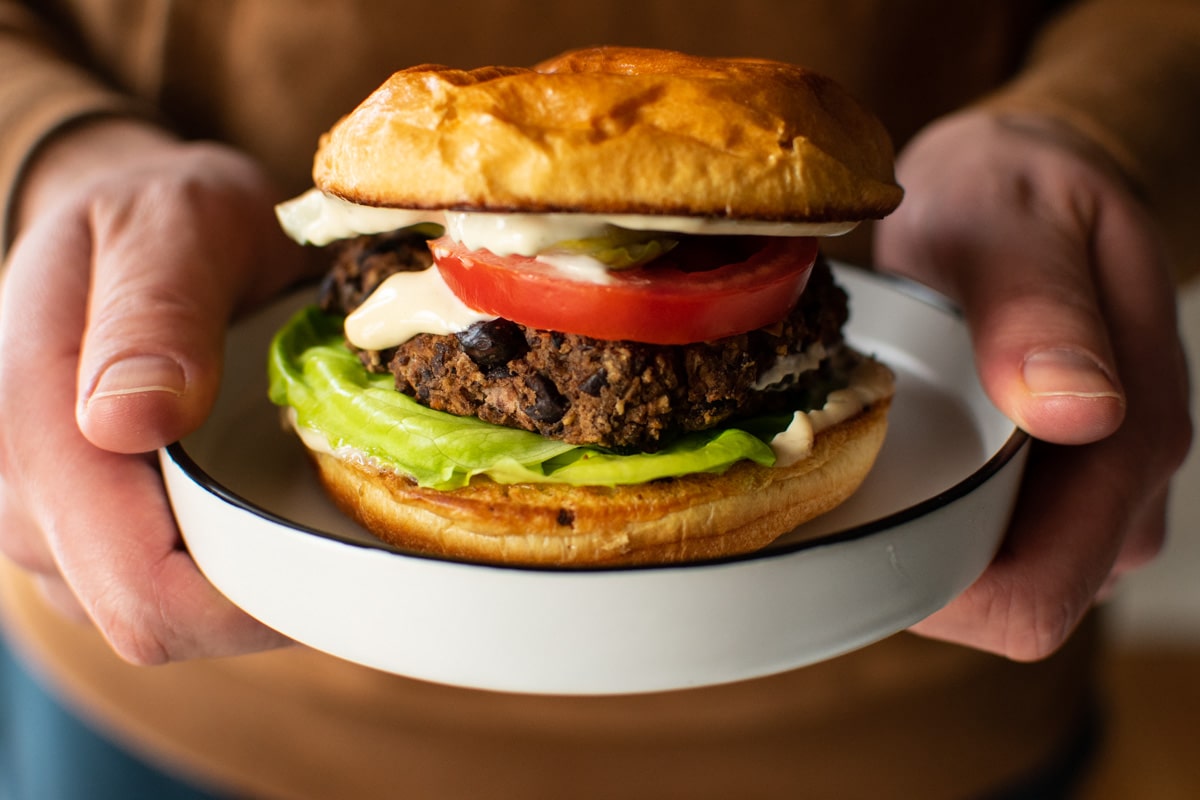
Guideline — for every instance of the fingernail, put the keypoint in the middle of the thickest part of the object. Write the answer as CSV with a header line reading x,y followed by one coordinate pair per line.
x,y
1059,372
139,374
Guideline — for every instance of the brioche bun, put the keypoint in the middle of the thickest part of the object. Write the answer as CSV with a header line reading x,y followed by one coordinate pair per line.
x,y
615,130
696,517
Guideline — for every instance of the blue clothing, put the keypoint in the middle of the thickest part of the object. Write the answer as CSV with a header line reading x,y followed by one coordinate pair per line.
x,y
48,753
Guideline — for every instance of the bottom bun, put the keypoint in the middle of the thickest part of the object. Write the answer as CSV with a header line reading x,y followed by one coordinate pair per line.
x,y
691,518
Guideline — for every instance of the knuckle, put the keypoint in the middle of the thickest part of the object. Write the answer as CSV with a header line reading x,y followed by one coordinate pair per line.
x,y
1180,440
1142,549
1044,631
21,541
19,546
130,627
1034,624
154,302
61,598
1146,540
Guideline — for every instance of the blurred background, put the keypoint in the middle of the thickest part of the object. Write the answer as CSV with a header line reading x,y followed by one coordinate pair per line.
x,y
1152,674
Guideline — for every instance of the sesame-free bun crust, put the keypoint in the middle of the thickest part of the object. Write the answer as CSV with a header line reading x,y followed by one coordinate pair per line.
x,y
691,518
615,130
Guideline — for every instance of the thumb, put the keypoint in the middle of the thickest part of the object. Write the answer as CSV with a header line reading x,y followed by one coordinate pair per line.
x,y
172,259
1042,347
1037,323
1006,232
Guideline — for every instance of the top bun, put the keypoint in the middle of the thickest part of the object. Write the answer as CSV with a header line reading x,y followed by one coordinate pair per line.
x,y
615,130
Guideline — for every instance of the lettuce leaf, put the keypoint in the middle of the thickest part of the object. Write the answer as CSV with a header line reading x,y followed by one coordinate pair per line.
x,y
311,370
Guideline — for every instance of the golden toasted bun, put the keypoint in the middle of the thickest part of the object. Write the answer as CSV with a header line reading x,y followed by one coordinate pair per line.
x,y
615,130
695,517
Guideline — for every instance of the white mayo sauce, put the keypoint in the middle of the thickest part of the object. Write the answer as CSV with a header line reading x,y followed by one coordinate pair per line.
x,y
789,365
870,382
318,218
532,234
406,304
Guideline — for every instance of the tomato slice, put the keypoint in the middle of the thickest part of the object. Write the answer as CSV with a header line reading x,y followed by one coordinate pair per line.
x,y
680,298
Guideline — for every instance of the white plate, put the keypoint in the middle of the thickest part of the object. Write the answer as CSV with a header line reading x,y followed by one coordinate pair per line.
x,y
920,530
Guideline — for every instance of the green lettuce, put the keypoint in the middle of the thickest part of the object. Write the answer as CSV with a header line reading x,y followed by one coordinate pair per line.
x,y
311,370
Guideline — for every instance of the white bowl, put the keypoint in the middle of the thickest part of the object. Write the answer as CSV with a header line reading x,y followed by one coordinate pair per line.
x,y
921,529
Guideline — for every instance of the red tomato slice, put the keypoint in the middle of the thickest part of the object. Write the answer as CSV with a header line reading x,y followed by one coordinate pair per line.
x,y
706,288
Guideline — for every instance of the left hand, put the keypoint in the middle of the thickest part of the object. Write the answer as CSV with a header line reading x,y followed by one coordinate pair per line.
x,y
1071,307
134,251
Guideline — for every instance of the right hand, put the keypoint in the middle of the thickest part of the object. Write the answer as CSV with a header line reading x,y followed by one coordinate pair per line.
x,y
133,253
1065,287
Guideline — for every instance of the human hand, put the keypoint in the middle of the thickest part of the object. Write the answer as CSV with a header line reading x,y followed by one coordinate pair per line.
x,y
1071,309
133,253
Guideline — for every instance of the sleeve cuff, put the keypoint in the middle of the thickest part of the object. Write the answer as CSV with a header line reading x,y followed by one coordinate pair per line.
x,y
39,98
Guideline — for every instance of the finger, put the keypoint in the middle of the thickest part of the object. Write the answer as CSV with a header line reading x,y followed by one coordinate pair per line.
x,y
25,546
1146,538
1080,524
121,552
1140,298
163,291
1143,543
59,596
1041,345
104,515
1062,543
1017,259
20,540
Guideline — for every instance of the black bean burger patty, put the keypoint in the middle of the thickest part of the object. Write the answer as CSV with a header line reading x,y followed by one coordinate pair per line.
x,y
617,394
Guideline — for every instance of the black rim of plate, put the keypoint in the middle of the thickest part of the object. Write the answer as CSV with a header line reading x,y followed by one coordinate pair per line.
x,y
1009,450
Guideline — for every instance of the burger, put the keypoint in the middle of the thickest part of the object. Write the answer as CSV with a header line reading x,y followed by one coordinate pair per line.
x,y
577,314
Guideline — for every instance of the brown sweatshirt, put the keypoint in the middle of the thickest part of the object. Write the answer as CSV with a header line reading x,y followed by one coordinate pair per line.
x,y
903,718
